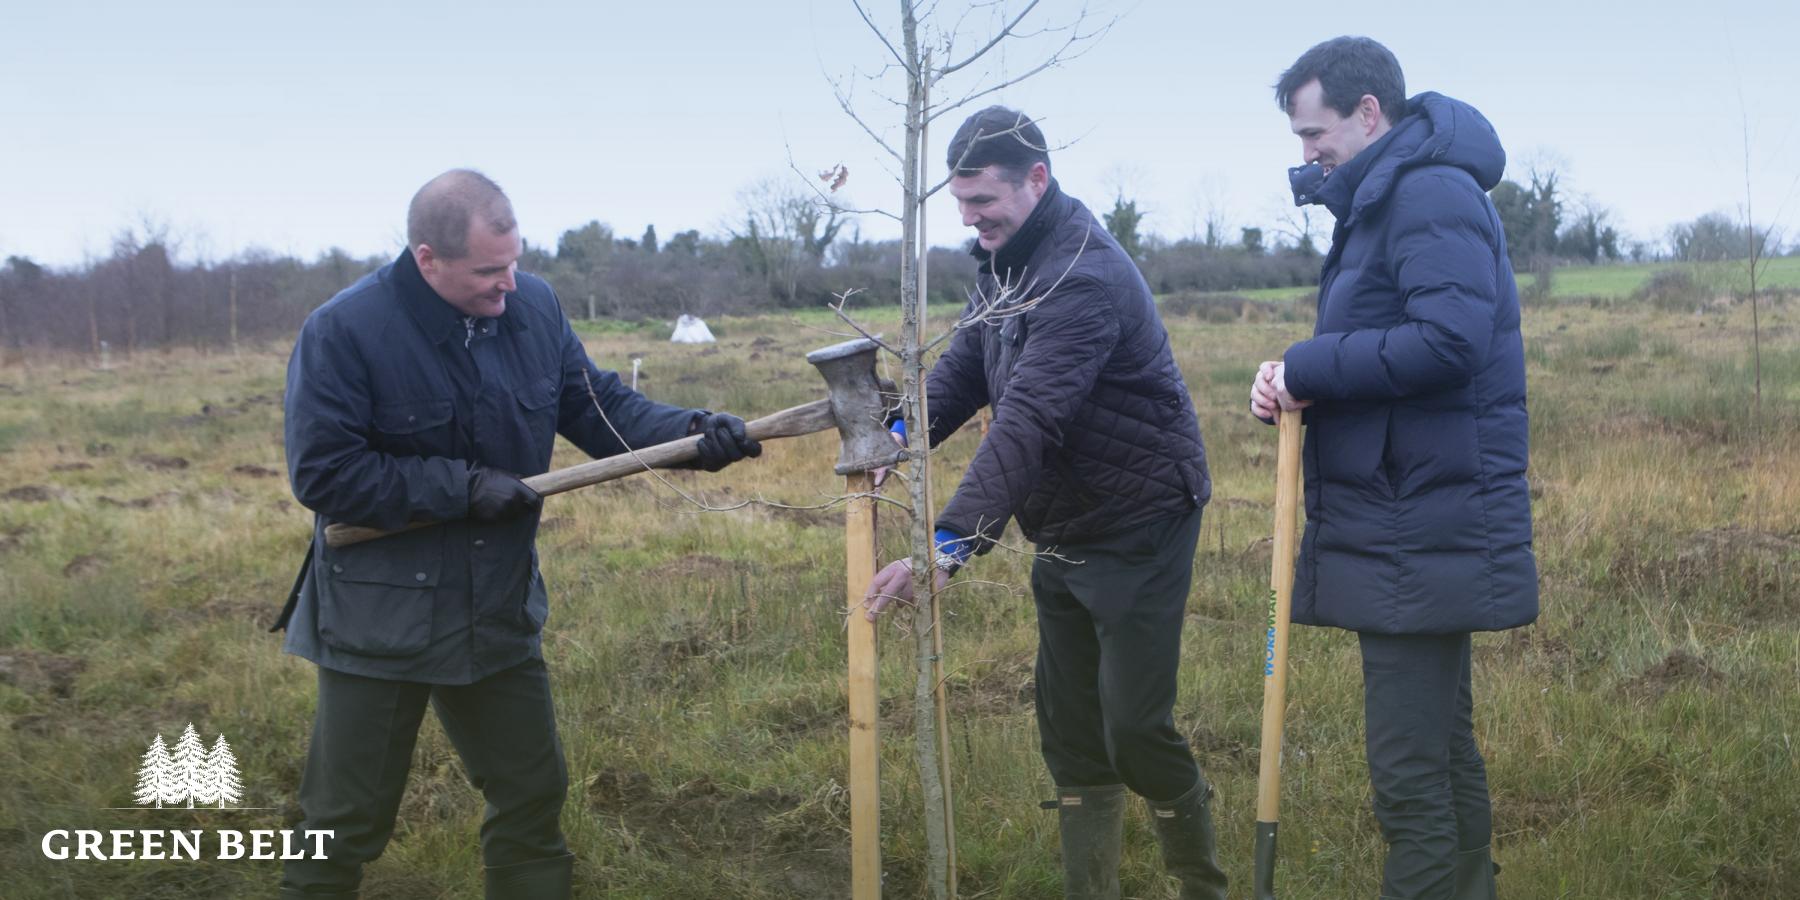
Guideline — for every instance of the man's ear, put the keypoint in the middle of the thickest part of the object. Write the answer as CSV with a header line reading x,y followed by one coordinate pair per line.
x,y
1038,176
425,257
1368,110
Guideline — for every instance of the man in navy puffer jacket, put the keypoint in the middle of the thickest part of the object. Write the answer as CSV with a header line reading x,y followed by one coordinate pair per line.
x,y
1418,514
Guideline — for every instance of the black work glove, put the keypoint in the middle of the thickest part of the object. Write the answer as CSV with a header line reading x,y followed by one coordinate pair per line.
x,y
496,495
723,441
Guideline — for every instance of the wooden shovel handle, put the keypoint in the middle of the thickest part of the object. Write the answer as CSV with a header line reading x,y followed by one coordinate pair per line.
x,y
1275,648
791,422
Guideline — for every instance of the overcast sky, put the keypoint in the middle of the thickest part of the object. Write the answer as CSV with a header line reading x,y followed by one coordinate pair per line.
x,y
295,127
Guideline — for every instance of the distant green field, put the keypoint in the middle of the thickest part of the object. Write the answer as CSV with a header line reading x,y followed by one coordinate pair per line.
x,y
1620,280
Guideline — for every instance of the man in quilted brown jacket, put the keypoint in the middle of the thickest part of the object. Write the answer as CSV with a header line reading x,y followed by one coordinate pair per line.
x,y
1095,451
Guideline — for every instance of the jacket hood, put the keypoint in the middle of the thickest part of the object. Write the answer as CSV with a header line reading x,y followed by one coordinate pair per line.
x,y
1437,130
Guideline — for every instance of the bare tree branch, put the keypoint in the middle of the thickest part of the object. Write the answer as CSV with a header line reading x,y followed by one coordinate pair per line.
x,y
1003,305
1055,59
882,35
1002,35
838,308
826,201
843,99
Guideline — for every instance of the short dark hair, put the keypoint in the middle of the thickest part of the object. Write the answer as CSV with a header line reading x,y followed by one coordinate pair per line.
x,y
1006,139
441,211
1346,69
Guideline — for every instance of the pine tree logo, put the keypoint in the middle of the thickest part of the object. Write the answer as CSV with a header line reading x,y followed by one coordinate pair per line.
x,y
190,775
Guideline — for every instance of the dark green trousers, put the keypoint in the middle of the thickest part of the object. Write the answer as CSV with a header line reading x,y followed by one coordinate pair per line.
x,y
1109,646
503,727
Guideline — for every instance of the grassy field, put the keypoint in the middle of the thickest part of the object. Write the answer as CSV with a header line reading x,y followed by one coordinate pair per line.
x,y
1640,737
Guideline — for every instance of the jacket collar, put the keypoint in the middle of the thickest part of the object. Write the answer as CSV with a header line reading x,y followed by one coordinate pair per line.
x,y
434,315
1437,130
1340,192
1018,250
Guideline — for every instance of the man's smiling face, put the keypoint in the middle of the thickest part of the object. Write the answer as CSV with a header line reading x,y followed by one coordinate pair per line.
x,y
996,207
1330,139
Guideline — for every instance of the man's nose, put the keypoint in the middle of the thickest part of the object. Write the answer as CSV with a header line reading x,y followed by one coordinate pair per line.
x,y
508,282
968,216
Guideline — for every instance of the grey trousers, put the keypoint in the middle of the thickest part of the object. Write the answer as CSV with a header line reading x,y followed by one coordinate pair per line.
x,y
503,727
1430,784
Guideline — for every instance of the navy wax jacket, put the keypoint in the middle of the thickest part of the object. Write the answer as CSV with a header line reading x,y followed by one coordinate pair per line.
x,y
391,396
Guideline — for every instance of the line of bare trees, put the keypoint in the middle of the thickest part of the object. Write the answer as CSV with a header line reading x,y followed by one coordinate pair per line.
x,y
785,251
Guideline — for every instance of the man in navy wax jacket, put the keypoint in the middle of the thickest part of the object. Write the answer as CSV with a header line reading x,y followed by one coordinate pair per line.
x,y
422,393
1418,514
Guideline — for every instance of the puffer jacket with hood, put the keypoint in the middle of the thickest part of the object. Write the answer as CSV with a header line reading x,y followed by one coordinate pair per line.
x,y
1418,512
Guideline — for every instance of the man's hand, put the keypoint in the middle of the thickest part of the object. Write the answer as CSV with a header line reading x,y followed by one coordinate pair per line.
x,y
898,433
496,495
723,441
894,583
1269,394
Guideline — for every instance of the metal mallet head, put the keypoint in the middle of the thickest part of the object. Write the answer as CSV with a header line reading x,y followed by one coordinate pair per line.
x,y
856,405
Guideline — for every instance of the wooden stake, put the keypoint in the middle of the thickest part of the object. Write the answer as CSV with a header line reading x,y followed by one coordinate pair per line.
x,y
865,744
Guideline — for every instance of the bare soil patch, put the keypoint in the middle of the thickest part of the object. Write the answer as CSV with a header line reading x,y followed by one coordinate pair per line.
x,y
699,565
151,502
41,673
159,462
1678,668
1534,815
84,565
782,839
31,493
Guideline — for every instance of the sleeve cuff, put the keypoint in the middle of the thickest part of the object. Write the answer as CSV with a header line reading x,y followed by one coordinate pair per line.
x,y
953,550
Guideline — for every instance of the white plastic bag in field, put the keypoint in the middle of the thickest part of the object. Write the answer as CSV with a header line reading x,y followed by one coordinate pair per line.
x,y
691,330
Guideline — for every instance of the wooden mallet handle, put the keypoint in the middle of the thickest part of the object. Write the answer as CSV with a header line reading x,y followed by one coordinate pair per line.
x,y
794,421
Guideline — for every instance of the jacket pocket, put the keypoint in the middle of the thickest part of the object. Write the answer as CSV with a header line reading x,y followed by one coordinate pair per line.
x,y
537,395
1431,448
1351,447
414,427
381,600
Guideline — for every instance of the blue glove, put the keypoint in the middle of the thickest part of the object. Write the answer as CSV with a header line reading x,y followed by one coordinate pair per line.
x,y
952,549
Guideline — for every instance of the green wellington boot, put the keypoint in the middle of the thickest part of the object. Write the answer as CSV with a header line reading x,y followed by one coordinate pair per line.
x,y
1475,870
1184,828
1092,821
539,879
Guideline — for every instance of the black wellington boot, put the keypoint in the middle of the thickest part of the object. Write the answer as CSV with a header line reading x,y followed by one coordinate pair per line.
x,y
1184,828
1475,870
1092,821
539,879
